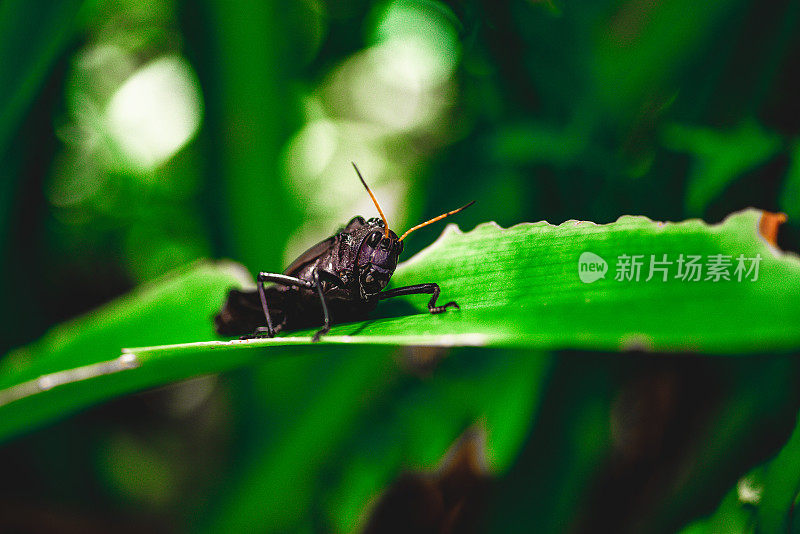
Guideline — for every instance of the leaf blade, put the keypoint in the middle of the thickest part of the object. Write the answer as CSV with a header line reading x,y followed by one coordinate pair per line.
x,y
518,288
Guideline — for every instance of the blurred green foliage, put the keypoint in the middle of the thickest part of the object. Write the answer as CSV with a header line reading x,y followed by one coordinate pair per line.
x,y
138,135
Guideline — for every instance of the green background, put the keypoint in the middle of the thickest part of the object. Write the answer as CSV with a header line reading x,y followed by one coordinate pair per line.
x,y
539,110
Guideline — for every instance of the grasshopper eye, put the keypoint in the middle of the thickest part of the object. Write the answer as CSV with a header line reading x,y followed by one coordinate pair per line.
x,y
373,239
399,247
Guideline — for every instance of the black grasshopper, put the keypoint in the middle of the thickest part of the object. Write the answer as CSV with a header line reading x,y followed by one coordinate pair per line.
x,y
340,278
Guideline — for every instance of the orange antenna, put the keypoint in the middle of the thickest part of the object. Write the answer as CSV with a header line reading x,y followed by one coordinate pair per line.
x,y
439,218
374,200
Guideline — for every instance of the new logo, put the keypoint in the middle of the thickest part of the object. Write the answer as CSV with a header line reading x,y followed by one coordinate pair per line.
x,y
591,267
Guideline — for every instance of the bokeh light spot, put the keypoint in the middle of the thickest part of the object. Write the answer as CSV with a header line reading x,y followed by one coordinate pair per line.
x,y
155,112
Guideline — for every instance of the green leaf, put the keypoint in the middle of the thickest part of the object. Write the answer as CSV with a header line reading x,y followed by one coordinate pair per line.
x,y
77,364
763,500
781,487
517,287
413,425
277,488
520,287
633,58
735,515
32,34
759,389
246,45
720,157
790,195
364,420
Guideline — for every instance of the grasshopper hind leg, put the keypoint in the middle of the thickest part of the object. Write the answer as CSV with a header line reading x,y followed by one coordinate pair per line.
x,y
243,315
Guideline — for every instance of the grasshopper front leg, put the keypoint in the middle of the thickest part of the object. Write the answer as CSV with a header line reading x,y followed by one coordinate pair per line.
x,y
418,289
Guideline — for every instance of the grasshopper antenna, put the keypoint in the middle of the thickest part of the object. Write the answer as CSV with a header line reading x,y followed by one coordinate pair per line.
x,y
439,218
374,200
